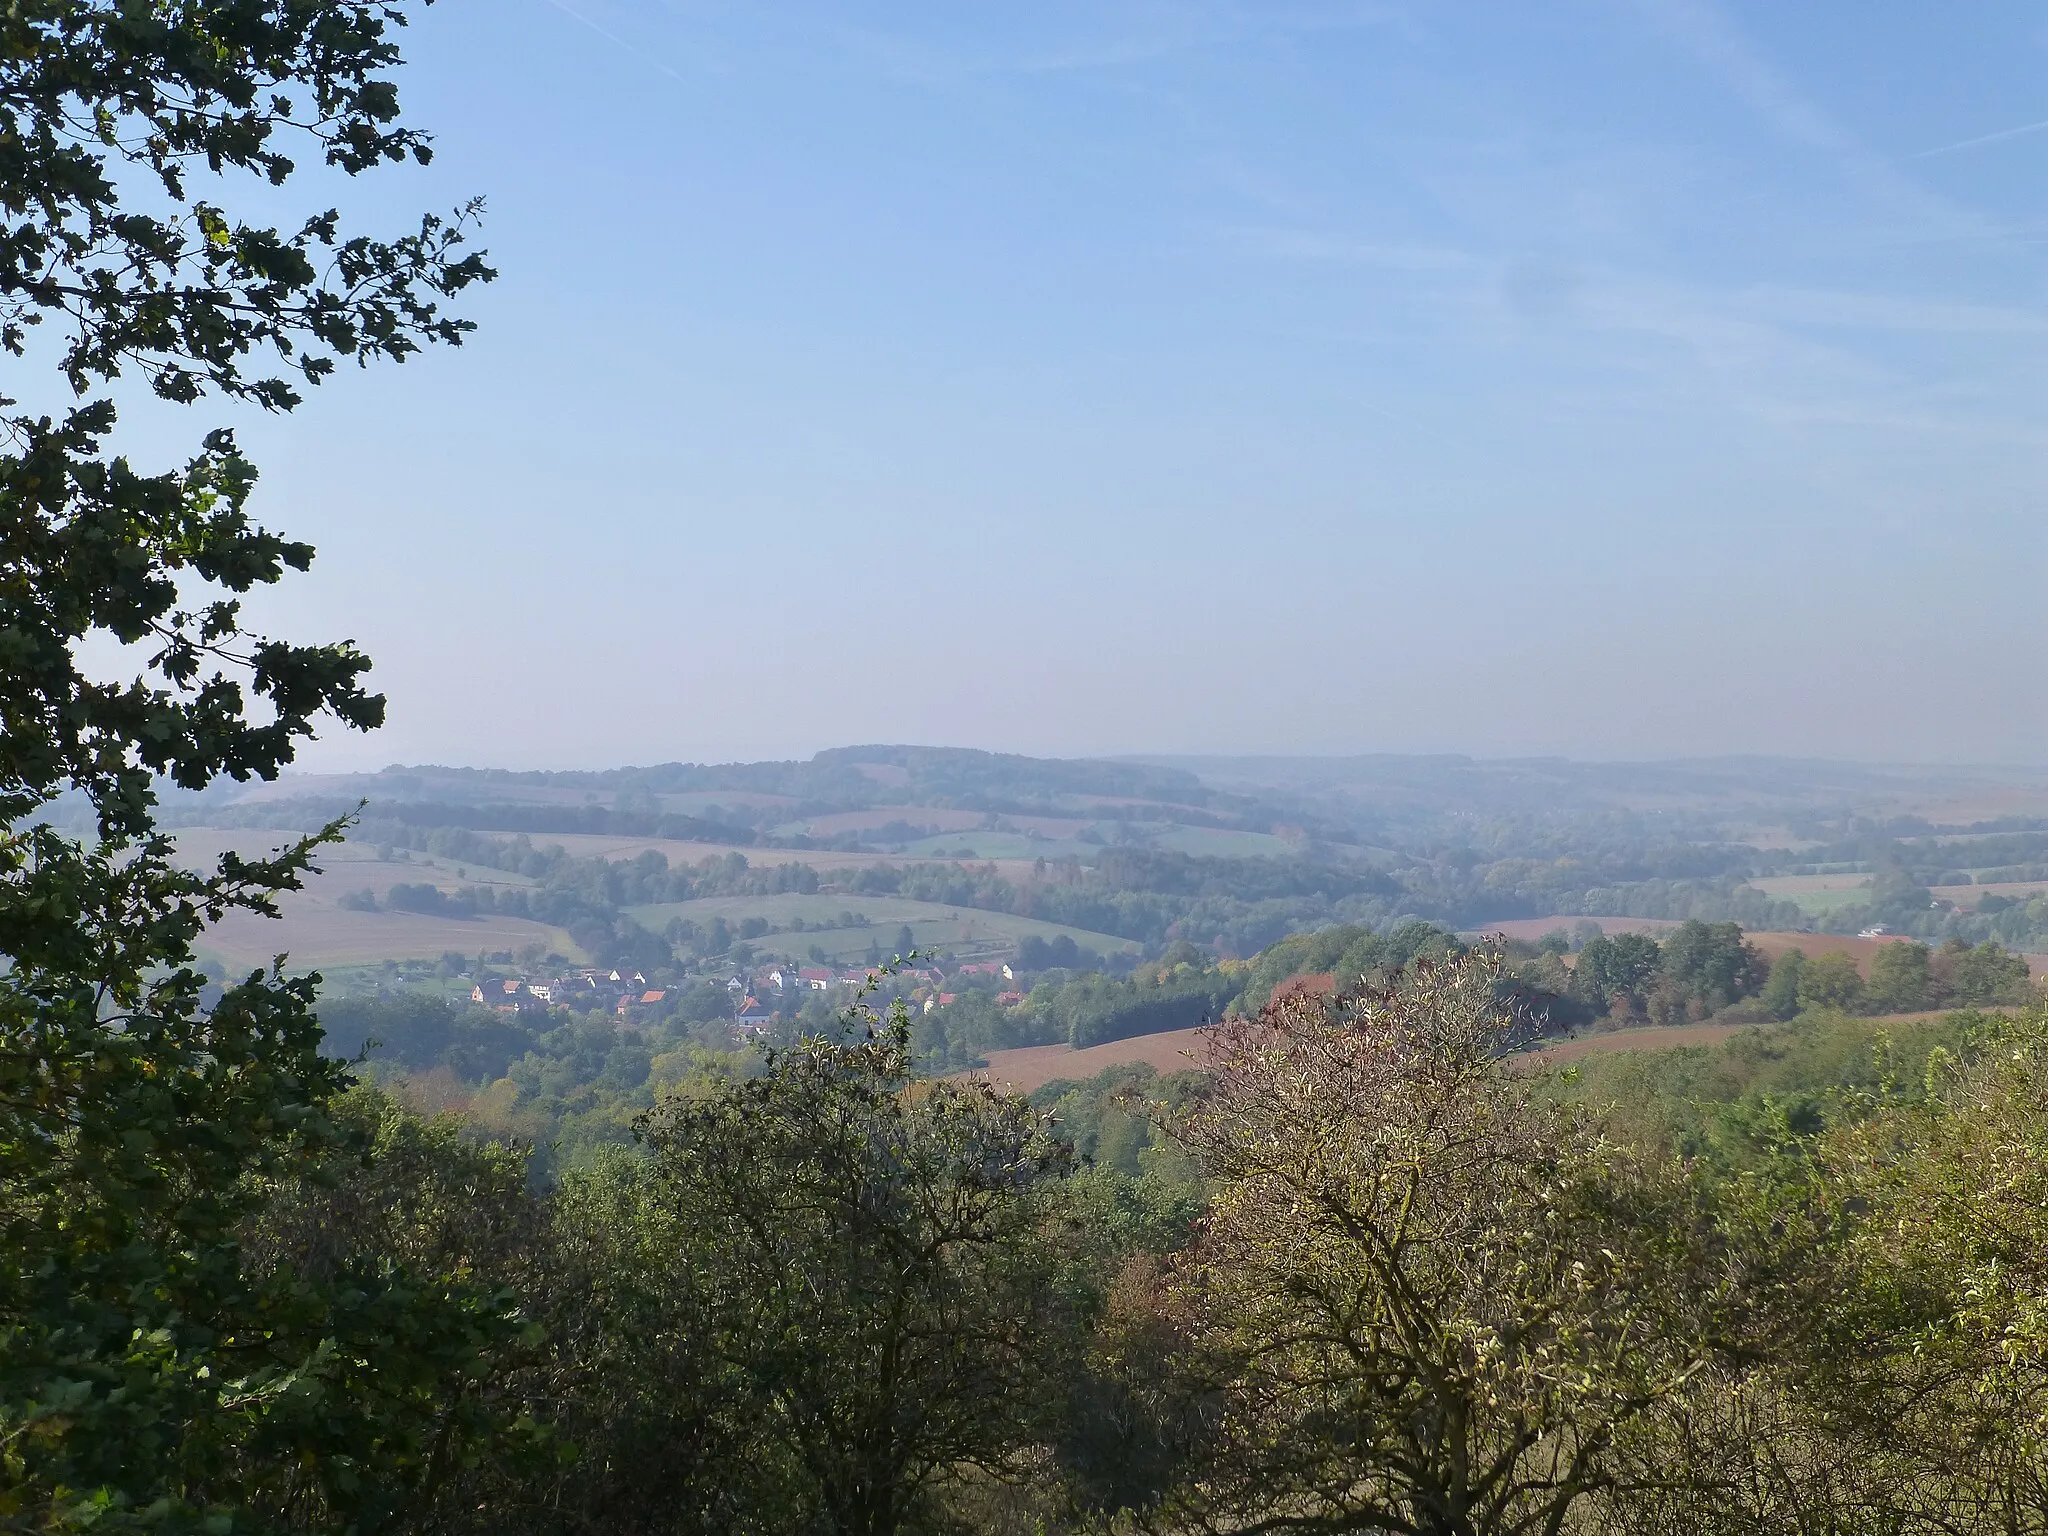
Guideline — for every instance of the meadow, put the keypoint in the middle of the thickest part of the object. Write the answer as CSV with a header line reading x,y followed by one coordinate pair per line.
x,y
932,925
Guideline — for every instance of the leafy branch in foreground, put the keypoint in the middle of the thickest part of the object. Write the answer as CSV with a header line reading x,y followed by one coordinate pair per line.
x,y
140,1129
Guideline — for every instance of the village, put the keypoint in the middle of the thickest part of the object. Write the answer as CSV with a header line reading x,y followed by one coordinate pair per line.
x,y
760,997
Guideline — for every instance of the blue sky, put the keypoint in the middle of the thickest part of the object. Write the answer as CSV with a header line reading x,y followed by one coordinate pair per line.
x,y
1602,378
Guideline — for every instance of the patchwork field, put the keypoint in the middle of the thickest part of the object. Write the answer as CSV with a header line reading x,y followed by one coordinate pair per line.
x,y
314,929
931,924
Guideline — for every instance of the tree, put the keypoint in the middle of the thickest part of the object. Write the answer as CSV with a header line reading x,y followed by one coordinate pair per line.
x,y
1780,994
139,1129
1709,965
1985,974
1901,979
885,1265
1617,970
1831,981
1422,1300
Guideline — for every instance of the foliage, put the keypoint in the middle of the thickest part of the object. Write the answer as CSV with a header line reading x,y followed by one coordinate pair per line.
x,y
1422,1300
139,1357
886,1263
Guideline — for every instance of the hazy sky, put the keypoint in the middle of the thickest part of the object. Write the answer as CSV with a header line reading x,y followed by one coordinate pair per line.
x,y
1607,378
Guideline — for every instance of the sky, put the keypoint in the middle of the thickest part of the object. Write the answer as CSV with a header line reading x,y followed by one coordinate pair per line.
x,y
1612,378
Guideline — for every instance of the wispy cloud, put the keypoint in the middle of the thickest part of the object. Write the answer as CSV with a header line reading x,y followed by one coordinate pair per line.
x,y
612,37
1984,138
1718,44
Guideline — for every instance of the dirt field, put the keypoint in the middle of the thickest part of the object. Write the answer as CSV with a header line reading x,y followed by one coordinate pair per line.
x,y
1668,1037
1033,1066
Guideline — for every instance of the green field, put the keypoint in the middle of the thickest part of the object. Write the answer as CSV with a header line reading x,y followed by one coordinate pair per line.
x,y
931,924
1817,895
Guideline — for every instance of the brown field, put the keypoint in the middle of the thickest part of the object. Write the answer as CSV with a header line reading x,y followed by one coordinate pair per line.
x,y
1033,1066
1652,1038
1775,944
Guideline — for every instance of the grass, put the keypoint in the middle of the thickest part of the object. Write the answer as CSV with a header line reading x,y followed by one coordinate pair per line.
x,y
1817,895
931,924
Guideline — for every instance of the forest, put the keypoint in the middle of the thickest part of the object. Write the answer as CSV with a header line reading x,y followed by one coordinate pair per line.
x,y
1382,1261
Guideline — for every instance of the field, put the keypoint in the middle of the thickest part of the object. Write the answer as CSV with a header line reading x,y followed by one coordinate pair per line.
x,y
1033,1066
314,929
1816,895
931,924
315,935
1654,1038
1177,1050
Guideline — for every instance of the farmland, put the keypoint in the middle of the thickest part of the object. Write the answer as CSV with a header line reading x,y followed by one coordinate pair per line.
x,y
315,930
932,925
1817,895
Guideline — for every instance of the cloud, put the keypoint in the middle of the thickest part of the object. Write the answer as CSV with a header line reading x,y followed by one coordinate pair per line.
x,y
1716,43
619,42
1985,138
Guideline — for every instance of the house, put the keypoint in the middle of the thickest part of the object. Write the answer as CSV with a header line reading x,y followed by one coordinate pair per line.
x,y
1009,999
939,1002
1009,971
752,1022
984,968
649,999
543,990
817,978
734,984
476,993
629,978
778,978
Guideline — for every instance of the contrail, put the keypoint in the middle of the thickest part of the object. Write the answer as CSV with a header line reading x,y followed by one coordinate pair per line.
x,y
613,38
1986,138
